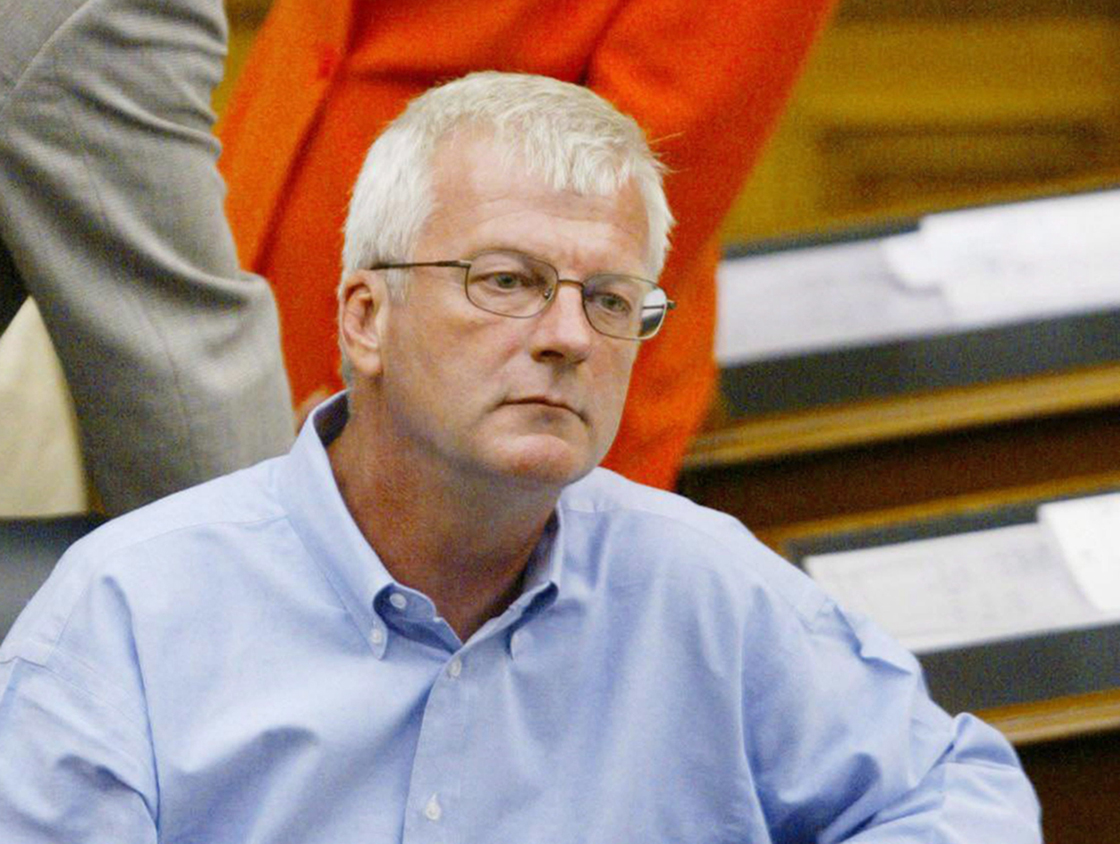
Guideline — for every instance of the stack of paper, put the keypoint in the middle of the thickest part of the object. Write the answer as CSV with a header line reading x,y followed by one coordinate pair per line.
x,y
1062,572
959,271
1017,261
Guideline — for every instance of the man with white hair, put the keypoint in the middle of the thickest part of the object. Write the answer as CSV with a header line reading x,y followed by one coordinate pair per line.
x,y
434,620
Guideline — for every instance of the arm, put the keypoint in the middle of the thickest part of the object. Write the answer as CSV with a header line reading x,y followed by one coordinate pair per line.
x,y
975,792
77,764
111,213
852,749
73,769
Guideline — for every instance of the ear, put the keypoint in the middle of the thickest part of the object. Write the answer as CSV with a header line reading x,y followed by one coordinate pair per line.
x,y
363,308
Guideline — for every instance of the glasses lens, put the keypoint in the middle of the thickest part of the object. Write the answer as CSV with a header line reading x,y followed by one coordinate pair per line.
x,y
621,306
508,283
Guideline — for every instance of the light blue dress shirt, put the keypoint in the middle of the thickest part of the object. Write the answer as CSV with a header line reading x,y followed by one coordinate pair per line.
x,y
234,665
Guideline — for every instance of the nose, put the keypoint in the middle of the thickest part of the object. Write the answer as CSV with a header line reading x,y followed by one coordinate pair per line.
x,y
562,331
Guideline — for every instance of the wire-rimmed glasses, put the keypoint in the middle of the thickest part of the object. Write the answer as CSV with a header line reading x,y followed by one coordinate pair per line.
x,y
513,284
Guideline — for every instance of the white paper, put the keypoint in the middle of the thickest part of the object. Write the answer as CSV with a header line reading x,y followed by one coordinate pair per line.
x,y
821,297
916,262
1087,532
952,591
959,271
1017,261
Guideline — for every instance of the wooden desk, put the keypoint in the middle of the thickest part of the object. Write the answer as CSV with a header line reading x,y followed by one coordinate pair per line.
x,y
1070,748
1055,696
786,468
865,466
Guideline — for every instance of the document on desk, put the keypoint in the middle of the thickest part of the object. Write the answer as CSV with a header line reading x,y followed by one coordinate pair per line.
x,y
818,298
934,594
1087,530
1017,261
958,271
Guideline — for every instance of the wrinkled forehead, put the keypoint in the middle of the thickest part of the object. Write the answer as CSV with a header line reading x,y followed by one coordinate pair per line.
x,y
486,195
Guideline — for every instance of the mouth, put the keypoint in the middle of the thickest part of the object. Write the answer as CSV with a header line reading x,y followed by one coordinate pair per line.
x,y
547,401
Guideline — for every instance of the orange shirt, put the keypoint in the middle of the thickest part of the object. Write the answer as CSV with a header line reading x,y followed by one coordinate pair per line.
x,y
707,83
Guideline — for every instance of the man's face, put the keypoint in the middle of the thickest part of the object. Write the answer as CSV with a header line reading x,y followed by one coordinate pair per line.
x,y
476,394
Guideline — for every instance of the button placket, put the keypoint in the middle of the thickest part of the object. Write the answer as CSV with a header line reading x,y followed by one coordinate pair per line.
x,y
436,782
378,639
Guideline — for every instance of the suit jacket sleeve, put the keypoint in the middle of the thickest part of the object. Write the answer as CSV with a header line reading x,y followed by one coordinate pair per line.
x,y
111,219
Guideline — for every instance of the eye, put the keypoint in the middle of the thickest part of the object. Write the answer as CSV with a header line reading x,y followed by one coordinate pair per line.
x,y
503,273
508,280
611,303
617,297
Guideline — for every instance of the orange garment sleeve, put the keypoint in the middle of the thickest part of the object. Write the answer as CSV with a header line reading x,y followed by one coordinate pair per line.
x,y
708,87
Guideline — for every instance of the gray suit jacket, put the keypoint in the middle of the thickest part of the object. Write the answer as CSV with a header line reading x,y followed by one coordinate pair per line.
x,y
111,219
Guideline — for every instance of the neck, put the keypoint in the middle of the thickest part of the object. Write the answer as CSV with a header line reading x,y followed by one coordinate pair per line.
x,y
465,544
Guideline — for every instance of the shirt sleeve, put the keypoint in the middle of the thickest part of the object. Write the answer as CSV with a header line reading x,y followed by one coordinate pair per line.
x,y
850,748
976,791
74,769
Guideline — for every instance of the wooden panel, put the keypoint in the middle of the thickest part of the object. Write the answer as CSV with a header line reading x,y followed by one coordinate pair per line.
x,y
1004,9
966,506
247,10
775,435
903,112
1059,719
1078,784
769,494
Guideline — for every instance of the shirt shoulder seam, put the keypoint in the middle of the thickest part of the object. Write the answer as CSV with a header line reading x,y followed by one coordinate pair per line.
x,y
103,560
141,730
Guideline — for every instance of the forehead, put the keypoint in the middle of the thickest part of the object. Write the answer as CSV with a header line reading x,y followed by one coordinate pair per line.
x,y
486,197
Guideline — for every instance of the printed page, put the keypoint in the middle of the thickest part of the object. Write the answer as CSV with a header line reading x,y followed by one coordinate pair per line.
x,y
1087,532
946,592
1017,261
821,297
960,270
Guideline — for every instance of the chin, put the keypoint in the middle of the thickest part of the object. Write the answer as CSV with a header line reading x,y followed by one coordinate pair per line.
x,y
553,463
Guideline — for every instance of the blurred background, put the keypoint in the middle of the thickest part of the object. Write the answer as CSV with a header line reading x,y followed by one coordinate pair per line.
x,y
910,106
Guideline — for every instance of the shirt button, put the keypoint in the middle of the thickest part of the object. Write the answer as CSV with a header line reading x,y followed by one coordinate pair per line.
x,y
455,668
377,636
398,600
432,811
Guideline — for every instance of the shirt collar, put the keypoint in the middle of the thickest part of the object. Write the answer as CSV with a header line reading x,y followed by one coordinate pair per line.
x,y
320,518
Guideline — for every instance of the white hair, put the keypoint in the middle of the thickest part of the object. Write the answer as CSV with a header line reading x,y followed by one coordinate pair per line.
x,y
567,135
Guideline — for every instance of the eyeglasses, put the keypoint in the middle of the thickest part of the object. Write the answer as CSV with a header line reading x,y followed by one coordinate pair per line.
x,y
515,285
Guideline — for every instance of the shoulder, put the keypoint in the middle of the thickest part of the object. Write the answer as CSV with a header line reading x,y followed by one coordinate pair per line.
x,y
229,502
695,574
647,534
156,555
612,502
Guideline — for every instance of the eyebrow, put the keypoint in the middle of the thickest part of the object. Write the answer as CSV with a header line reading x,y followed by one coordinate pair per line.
x,y
520,251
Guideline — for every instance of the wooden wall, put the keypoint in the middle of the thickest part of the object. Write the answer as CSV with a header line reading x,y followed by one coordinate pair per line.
x,y
908,106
